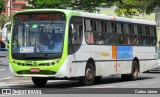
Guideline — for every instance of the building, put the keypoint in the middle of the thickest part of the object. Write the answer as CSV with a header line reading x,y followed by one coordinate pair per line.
x,y
13,6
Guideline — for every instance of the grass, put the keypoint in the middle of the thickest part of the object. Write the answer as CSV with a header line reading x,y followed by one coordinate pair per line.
x,y
150,17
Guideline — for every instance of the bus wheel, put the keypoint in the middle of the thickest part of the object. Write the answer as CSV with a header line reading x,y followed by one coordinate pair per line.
x,y
39,81
134,73
88,79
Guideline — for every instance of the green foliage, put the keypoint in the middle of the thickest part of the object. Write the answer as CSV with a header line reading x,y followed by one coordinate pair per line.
x,y
130,8
87,5
2,20
1,5
48,3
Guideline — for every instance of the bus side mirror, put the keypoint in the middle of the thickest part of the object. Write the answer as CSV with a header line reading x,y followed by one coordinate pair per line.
x,y
5,35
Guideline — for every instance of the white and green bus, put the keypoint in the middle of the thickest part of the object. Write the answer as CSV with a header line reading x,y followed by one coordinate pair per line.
x,y
66,44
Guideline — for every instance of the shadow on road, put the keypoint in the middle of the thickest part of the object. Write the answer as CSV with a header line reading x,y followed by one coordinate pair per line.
x,y
75,83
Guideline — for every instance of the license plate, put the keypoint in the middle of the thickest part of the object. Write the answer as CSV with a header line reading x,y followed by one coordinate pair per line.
x,y
34,70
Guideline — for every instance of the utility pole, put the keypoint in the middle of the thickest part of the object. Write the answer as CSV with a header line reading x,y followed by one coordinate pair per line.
x,y
8,9
8,12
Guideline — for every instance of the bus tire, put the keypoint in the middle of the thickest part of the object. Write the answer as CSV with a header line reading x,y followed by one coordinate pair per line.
x,y
88,79
39,81
134,72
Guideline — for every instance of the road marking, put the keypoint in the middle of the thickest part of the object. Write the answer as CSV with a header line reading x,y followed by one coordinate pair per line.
x,y
5,78
2,69
13,84
129,85
150,82
5,95
105,87
97,87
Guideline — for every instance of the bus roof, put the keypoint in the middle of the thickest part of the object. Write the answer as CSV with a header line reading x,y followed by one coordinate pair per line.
x,y
93,15
116,18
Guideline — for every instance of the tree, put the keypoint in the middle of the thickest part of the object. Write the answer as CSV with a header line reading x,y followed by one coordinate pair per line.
x,y
130,8
48,3
2,20
87,5
1,5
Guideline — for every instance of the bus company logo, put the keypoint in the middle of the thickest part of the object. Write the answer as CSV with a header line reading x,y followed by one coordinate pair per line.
x,y
6,91
20,92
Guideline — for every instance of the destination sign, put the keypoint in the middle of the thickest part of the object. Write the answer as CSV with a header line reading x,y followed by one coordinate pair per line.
x,y
39,16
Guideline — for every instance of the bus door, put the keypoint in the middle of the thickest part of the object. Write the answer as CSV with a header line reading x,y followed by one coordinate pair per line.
x,y
75,37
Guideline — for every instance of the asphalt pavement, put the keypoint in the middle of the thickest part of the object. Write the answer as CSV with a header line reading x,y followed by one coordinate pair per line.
x,y
108,85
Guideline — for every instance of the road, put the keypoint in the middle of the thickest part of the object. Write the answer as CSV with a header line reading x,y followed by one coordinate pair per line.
x,y
111,84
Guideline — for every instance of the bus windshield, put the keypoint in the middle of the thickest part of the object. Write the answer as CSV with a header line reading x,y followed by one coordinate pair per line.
x,y
38,36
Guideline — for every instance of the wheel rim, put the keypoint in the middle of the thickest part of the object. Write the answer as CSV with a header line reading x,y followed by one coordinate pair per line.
x,y
135,71
89,74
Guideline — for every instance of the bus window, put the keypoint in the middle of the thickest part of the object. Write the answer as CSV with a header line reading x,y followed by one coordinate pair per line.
x,y
120,39
89,36
103,26
126,29
143,29
152,31
131,29
152,41
109,27
143,41
100,38
75,34
136,40
147,30
88,25
135,30
98,27
118,28
128,40
139,30
99,34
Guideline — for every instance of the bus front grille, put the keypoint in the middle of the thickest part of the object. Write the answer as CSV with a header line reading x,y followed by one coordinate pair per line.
x,y
42,72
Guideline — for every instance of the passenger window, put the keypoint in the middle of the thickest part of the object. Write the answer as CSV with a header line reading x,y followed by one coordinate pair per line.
x,y
120,39
88,25
89,36
128,40
152,41
75,34
143,41
118,28
152,31
131,29
139,29
135,30
136,40
147,30
98,27
109,27
143,30
126,29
